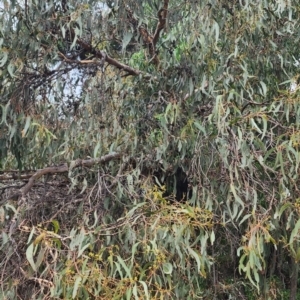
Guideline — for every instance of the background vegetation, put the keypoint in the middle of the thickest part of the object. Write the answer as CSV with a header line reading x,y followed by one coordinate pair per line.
x,y
149,149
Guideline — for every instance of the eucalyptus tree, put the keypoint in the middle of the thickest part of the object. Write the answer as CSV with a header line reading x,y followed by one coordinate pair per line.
x,y
188,109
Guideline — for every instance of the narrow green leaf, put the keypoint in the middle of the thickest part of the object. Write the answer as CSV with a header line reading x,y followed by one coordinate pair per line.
x,y
29,256
40,257
84,185
126,39
56,226
212,237
196,256
217,31
97,149
4,58
146,292
200,127
294,233
124,266
76,286
10,69
254,125
31,235
134,292
81,249
131,212
167,268
265,126
264,88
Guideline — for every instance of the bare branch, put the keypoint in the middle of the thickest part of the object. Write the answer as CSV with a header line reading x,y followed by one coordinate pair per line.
x,y
61,169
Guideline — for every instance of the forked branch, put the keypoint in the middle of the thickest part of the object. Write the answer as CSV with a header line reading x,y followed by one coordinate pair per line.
x,y
150,40
60,169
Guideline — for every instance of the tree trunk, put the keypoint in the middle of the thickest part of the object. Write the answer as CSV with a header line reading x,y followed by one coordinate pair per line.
x,y
294,279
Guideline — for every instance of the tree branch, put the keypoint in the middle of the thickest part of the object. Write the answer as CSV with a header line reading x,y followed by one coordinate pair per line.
x,y
61,169
162,18
101,55
149,39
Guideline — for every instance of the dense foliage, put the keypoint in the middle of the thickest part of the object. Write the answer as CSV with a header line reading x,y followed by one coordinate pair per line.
x,y
196,105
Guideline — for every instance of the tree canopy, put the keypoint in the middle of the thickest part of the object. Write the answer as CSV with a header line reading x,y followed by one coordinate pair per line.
x,y
149,149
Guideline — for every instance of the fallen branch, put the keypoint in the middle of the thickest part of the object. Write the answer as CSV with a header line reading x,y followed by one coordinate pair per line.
x,y
60,169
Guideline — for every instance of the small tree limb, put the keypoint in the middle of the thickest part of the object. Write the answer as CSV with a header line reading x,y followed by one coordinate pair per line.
x,y
103,56
162,18
60,169
149,39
